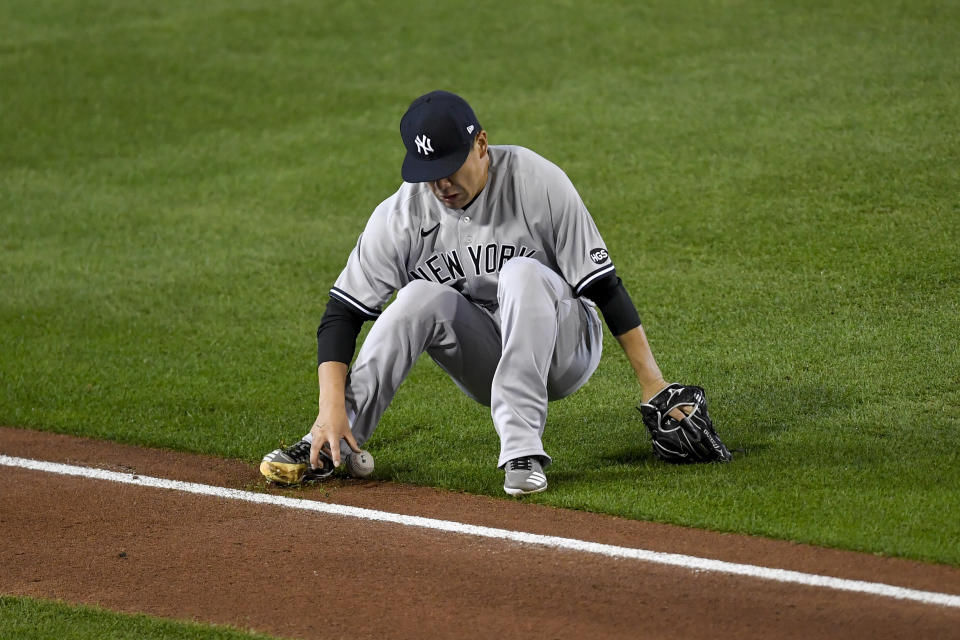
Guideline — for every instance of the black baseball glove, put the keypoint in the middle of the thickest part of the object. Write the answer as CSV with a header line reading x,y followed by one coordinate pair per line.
x,y
692,439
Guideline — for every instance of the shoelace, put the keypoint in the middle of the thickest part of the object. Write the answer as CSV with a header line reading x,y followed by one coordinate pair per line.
x,y
301,450
521,464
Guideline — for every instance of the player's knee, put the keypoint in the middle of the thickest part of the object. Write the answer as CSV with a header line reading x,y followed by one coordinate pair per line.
x,y
520,268
421,290
520,275
420,297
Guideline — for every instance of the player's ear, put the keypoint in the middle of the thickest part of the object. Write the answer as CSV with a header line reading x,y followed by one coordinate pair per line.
x,y
481,142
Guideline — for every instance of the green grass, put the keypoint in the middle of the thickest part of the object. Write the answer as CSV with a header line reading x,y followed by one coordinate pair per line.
x,y
26,619
777,183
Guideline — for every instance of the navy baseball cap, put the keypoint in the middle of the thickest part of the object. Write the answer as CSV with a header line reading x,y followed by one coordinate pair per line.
x,y
438,131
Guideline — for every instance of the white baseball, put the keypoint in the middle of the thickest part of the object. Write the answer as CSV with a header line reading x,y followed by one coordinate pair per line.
x,y
360,465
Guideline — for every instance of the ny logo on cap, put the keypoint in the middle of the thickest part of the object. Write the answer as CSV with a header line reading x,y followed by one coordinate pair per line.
x,y
423,144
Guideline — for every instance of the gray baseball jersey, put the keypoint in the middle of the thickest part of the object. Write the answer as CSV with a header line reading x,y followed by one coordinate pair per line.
x,y
528,208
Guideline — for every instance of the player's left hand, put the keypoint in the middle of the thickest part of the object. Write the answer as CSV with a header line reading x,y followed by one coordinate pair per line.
x,y
649,391
690,438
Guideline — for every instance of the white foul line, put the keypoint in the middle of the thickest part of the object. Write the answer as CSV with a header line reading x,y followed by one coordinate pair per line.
x,y
671,559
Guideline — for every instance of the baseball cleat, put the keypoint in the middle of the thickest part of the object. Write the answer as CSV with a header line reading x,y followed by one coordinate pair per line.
x,y
524,475
291,465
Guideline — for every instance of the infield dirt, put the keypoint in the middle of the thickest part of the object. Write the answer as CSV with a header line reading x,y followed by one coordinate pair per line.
x,y
306,575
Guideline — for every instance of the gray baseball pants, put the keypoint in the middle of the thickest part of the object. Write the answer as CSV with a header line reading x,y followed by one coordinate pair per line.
x,y
540,343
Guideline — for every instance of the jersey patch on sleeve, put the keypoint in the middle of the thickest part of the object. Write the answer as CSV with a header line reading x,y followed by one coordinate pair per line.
x,y
599,256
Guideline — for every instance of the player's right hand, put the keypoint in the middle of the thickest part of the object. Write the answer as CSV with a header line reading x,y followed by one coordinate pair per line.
x,y
329,429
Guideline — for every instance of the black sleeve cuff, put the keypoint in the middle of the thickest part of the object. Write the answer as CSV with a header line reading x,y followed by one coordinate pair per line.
x,y
337,333
610,296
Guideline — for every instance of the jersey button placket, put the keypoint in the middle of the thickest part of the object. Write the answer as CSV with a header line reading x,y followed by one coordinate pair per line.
x,y
467,238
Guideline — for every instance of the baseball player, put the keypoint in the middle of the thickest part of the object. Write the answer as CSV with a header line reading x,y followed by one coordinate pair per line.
x,y
498,270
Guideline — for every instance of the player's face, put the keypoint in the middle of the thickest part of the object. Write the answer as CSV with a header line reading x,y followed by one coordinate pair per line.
x,y
457,190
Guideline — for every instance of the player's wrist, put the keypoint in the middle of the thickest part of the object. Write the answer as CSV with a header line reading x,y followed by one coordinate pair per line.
x,y
651,387
330,416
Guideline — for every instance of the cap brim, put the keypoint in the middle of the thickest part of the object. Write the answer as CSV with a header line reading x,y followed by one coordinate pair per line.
x,y
415,169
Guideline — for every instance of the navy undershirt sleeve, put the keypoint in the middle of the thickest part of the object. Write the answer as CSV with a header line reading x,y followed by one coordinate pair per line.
x,y
337,333
610,296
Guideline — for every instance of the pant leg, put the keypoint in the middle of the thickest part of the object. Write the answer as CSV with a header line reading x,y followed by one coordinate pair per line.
x,y
552,343
462,338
